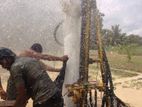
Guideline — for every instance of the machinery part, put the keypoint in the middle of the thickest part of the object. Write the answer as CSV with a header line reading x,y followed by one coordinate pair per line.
x,y
80,91
109,97
55,33
77,90
85,41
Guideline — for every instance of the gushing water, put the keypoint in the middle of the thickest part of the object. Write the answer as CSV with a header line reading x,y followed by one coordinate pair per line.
x,y
71,29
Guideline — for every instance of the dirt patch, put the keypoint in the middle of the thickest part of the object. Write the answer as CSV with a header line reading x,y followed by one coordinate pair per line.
x,y
130,90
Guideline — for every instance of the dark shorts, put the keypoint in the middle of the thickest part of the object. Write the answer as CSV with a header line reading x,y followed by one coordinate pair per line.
x,y
54,101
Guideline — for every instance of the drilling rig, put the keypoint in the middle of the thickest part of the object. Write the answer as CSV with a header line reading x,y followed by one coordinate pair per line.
x,y
85,93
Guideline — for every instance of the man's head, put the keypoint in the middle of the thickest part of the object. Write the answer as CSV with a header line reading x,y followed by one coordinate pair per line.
x,y
7,57
37,47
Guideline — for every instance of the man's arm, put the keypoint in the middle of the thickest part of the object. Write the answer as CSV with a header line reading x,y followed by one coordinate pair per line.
x,y
52,69
21,98
33,54
2,92
53,58
19,82
47,57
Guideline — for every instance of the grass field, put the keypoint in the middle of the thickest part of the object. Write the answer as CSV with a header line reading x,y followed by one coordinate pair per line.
x,y
119,63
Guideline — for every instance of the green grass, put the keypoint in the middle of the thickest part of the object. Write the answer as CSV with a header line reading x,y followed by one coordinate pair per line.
x,y
94,73
133,48
121,62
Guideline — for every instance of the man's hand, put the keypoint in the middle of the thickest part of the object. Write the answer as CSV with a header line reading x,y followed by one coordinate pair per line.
x,y
3,94
65,58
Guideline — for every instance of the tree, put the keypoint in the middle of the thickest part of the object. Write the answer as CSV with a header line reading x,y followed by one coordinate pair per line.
x,y
134,39
116,35
107,37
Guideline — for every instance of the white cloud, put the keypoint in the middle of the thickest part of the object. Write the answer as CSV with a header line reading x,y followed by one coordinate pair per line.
x,y
123,12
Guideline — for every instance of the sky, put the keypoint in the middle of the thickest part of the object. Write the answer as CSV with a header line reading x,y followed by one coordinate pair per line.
x,y
30,21
126,13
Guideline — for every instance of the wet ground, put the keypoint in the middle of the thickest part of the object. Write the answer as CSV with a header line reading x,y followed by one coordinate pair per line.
x,y
129,89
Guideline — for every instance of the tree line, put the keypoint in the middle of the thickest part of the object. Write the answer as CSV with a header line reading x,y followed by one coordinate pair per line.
x,y
115,37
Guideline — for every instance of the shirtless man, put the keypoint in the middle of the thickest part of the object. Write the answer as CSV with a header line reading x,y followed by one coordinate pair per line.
x,y
36,50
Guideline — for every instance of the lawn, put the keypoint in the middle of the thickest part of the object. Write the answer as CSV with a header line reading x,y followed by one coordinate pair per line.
x,y
120,61
119,64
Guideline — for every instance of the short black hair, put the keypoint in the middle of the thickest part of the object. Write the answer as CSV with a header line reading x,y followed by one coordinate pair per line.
x,y
5,52
37,47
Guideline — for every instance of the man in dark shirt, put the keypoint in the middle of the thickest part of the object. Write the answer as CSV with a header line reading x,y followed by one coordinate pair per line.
x,y
30,80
